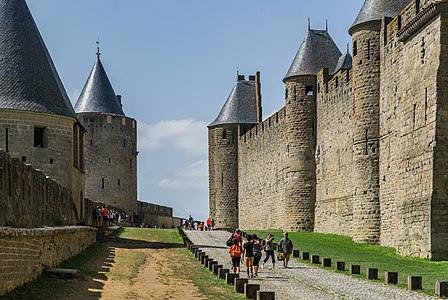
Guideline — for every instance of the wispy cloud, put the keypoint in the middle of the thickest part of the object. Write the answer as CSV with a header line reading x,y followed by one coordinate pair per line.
x,y
188,135
194,176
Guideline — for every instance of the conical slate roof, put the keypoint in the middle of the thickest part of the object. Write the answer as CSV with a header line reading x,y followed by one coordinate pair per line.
x,y
98,94
28,77
240,107
344,63
374,10
318,50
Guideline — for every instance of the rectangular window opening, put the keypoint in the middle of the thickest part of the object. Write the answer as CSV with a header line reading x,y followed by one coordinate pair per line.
x,y
7,140
102,183
309,90
40,137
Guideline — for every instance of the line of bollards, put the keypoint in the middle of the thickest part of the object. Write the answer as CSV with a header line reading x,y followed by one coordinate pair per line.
x,y
242,285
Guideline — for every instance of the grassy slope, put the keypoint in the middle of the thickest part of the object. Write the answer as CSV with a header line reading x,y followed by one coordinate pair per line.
x,y
340,248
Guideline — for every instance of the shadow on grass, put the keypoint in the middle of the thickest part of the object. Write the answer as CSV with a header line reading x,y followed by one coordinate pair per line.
x,y
94,265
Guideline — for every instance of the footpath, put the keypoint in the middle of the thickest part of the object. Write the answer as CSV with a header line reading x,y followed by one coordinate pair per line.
x,y
301,281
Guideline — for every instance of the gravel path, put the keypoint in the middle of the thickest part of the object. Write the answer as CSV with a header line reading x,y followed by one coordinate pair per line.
x,y
301,281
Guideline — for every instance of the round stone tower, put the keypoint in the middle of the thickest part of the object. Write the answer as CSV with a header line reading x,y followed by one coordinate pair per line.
x,y
38,124
111,146
241,112
317,51
366,35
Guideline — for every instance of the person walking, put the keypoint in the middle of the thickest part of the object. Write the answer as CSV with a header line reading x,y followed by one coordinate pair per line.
x,y
258,247
269,249
236,252
208,222
248,254
286,248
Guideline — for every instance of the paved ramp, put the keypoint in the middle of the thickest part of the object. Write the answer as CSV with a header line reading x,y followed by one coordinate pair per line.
x,y
301,281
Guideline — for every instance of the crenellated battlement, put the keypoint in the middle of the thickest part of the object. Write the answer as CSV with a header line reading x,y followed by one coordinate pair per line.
x,y
269,125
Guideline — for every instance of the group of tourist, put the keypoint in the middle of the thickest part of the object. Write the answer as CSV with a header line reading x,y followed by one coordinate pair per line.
x,y
192,224
106,217
252,251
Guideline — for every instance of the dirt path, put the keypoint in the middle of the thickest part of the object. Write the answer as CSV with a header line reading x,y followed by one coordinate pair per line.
x,y
135,270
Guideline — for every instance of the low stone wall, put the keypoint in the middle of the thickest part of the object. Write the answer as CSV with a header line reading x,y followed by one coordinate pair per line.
x,y
156,215
24,253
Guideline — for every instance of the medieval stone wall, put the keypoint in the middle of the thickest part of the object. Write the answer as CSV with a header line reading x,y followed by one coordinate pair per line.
x,y
261,174
156,215
408,135
111,160
334,154
56,157
24,253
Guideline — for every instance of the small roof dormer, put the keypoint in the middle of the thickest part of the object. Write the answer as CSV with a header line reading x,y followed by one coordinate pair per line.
x,y
28,78
98,94
241,105
375,10
317,51
344,62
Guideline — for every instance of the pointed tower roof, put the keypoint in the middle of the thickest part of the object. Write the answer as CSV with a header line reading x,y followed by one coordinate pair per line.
x,y
318,50
240,107
28,77
98,94
375,10
344,63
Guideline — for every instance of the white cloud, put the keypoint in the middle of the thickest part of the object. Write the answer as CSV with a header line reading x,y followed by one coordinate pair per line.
x,y
194,176
188,135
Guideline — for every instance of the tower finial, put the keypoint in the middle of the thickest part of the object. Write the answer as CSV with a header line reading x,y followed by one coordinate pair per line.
x,y
98,53
326,25
309,24
348,48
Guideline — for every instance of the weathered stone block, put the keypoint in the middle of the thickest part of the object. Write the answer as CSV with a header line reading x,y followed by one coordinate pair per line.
x,y
265,295
239,284
250,290
391,277
216,268
296,253
305,256
230,278
222,273
315,259
415,282
212,264
340,266
355,269
326,262
442,289
372,273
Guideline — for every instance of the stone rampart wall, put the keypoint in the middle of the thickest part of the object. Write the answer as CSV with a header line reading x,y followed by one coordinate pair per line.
x,y
24,253
261,174
334,154
28,198
156,215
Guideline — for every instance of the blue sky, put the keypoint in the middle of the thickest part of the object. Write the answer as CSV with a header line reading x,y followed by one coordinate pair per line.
x,y
175,62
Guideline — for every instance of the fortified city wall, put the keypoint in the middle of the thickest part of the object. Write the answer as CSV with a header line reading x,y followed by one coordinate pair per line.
x,y
334,153
261,174
156,215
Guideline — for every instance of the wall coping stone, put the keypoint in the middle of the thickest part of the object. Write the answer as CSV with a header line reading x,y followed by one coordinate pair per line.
x,y
44,231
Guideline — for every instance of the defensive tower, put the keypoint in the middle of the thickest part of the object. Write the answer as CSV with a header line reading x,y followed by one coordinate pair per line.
x,y
366,35
241,112
317,51
37,122
111,150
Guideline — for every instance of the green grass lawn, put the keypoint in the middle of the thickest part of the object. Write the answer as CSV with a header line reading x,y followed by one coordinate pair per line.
x,y
340,248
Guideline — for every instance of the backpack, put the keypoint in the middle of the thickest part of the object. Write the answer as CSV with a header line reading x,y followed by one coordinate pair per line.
x,y
235,251
257,250
229,242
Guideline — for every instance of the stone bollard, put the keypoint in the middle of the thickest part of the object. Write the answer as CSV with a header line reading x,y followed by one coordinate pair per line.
x,y
415,282
295,253
230,278
222,273
239,284
216,268
372,273
442,289
265,295
204,259
208,262
211,265
195,250
250,290
355,269
305,256
340,266
197,253
326,262
315,259
391,277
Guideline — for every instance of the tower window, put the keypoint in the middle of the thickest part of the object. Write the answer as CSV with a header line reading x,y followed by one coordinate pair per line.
x,y
355,48
309,90
118,181
224,134
40,137
102,183
417,6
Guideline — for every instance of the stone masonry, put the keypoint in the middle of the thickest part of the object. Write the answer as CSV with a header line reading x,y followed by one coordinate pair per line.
x,y
358,151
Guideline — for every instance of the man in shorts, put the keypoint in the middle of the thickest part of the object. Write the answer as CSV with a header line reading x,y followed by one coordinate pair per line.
x,y
286,249
248,253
